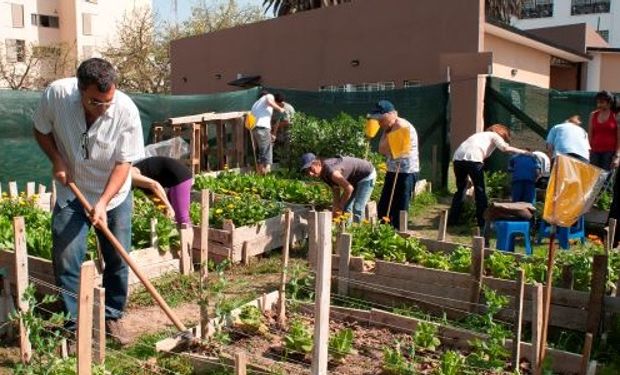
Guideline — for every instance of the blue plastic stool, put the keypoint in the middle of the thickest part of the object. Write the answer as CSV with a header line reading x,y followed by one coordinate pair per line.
x,y
506,231
563,234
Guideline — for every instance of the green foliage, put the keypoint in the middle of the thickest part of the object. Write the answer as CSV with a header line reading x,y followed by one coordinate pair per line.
x,y
301,284
425,336
38,227
45,336
604,201
491,352
497,184
396,363
143,211
251,320
421,202
342,135
341,344
452,363
460,259
298,339
175,288
243,209
502,266
271,187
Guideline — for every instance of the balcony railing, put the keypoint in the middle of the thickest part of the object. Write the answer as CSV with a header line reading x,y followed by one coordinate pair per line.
x,y
537,10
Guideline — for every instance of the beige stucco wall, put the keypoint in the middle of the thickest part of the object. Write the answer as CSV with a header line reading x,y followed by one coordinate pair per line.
x,y
610,72
532,66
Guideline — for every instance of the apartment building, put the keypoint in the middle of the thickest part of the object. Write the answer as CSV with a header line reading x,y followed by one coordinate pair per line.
x,y
82,27
601,15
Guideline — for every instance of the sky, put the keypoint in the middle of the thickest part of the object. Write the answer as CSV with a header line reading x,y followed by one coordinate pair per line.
x,y
164,7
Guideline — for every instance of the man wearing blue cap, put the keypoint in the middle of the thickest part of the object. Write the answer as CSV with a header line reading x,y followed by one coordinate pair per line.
x,y
408,165
351,181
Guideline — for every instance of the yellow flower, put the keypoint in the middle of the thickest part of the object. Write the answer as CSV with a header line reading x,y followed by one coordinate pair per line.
x,y
156,200
254,190
161,206
231,206
365,222
386,219
5,194
218,211
225,167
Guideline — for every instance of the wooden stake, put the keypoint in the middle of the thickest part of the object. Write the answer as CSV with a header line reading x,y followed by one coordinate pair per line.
x,y
21,283
611,234
42,189
30,188
204,236
344,261
63,349
285,253
477,272
322,304
6,307
443,225
312,238
597,294
85,318
13,192
186,238
587,351
403,226
389,208
99,325
240,363
53,196
537,325
518,321
547,298
154,237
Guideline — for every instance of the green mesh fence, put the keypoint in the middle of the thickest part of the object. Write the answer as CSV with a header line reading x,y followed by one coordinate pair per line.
x,y
531,111
425,107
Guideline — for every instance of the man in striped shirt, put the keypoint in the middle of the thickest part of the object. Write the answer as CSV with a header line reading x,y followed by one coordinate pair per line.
x,y
91,132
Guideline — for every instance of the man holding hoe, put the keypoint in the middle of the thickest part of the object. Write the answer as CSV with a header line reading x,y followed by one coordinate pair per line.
x,y
91,132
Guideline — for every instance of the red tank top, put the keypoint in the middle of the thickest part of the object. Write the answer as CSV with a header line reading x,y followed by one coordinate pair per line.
x,y
604,134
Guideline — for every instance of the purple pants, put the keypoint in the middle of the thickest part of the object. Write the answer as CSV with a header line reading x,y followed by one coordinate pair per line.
x,y
179,196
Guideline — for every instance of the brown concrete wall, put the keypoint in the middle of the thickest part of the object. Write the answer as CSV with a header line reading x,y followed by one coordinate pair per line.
x,y
571,36
610,72
532,66
393,40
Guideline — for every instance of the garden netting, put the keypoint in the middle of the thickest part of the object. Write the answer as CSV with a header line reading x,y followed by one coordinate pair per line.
x,y
531,111
426,107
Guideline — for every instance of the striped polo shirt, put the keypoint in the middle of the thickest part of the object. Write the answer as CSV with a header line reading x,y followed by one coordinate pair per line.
x,y
116,136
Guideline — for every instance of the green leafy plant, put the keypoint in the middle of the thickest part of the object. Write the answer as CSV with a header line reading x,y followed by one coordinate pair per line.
x,y
341,344
251,320
425,336
604,201
497,184
298,339
396,363
460,259
501,265
38,224
452,363
301,284
45,337
143,211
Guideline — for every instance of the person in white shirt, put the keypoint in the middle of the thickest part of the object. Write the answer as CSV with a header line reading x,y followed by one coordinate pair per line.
x,y
262,111
91,132
468,161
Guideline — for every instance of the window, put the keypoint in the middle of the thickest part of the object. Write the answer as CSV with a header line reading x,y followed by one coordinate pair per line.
x,y
589,6
87,26
17,15
360,87
537,9
604,34
411,83
44,21
15,50
46,52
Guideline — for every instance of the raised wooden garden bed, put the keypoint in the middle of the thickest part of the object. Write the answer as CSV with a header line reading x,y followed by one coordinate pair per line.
x,y
242,243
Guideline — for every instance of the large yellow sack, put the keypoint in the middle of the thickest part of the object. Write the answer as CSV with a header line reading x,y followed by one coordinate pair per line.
x,y
572,190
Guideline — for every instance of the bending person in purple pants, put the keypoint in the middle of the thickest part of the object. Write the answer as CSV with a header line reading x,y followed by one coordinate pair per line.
x,y
158,173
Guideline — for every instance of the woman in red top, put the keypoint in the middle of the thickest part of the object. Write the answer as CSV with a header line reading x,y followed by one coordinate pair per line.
x,y
603,132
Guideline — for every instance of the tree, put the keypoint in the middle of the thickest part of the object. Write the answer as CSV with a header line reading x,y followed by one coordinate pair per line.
x,y
502,10
32,67
142,53
284,7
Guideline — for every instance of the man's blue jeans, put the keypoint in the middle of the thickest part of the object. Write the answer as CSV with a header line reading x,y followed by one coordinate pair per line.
x,y
357,204
405,186
70,227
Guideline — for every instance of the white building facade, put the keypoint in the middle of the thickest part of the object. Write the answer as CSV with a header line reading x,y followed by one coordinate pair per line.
x,y
602,15
82,26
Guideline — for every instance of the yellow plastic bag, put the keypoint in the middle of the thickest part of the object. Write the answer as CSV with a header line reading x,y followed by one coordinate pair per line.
x,y
372,128
250,121
399,142
572,190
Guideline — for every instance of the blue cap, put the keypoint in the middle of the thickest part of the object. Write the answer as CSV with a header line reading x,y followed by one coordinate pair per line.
x,y
306,160
381,108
